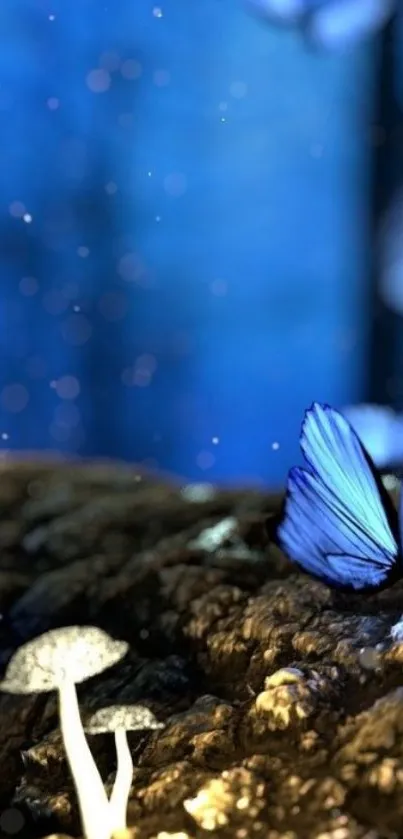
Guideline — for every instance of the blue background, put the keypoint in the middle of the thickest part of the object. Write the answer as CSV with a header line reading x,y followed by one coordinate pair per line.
x,y
184,226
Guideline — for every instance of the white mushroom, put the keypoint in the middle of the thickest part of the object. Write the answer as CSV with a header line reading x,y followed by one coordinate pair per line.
x,y
118,719
58,660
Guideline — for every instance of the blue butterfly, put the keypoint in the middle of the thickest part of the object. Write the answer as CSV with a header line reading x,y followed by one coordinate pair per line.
x,y
339,523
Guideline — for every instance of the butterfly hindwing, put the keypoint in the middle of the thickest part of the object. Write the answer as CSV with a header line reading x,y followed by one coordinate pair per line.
x,y
339,523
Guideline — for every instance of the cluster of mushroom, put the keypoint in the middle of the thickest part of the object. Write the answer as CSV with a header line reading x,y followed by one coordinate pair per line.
x,y
58,660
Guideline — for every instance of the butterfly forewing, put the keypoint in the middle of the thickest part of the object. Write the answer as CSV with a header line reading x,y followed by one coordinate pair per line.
x,y
339,523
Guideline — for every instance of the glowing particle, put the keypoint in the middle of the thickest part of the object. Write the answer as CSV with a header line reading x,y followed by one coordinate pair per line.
x,y
27,218
52,17
215,441
157,11
4,436
157,218
76,308
98,80
223,119
275,446
149,174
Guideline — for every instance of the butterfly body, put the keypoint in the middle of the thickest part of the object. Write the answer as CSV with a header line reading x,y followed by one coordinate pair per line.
x,y
338,521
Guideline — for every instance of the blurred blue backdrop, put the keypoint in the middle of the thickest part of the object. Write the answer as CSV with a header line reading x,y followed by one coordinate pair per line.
x,y
185,215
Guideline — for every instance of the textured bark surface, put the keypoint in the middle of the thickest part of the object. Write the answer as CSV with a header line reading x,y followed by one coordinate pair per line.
x,y
281,718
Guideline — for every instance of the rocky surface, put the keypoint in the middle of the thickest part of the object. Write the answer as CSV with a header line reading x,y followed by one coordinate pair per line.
x,y
282,702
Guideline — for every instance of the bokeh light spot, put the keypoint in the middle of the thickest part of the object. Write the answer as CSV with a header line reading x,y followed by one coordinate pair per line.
x,y
131,69
175,184
98,80
11,821
17,209
28,286
238,90
205,460
67,387
14,398
161,78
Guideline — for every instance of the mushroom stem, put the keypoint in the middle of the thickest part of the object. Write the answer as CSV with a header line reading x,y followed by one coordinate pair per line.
x,y
123,781
91,795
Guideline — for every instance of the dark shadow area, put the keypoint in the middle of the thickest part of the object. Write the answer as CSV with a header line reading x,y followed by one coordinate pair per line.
x,y
387,326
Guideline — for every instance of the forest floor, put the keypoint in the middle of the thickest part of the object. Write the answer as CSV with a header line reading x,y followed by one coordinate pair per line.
x,y
281,718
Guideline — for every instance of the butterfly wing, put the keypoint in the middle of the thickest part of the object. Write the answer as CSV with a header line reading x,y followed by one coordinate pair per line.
x,y
339,523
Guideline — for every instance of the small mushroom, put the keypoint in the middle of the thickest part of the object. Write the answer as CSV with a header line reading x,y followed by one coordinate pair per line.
x,y
58,660
117,720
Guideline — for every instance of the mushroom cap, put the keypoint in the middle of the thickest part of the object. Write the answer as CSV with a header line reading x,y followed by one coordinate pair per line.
x,y
122,717
72,653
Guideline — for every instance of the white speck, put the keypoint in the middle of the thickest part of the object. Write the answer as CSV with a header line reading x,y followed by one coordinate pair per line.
x,y
27,218
149,174
76,308
157,218
4,436
275,446
223,119
215,440
52,17
157,11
